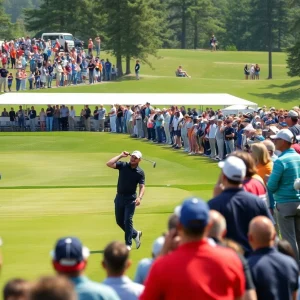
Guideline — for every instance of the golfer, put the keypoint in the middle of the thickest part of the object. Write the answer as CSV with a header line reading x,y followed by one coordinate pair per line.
x,y
130,175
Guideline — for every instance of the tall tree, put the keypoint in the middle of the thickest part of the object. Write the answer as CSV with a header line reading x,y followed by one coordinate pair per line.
x,y
6,27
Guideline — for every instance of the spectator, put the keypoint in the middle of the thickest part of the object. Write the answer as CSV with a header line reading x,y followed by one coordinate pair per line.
x,y
220,139
49,117
112,119
3,78
262,159
217,232
229,135
16,289
292,121
87,118
116,262
281,184
70,259
4,113
64,114
53,288
167,118
182,274
108,70
21,118
32,117
236,205
71,118
275,275
12,117
42,119
146,263
101,117
137,70
98,44
212,131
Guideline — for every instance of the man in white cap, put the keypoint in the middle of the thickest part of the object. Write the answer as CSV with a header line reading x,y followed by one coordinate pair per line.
x,y
130,175
286,170
146,263
212,131
236,205
292,121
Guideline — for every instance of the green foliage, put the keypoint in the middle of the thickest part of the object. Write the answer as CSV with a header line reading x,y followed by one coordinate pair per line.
x,y
230,48
293,60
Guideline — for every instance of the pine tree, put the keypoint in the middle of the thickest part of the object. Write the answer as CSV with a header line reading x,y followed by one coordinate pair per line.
x,y
6,28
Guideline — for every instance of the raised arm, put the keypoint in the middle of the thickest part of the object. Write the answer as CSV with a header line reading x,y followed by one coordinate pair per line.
x,y
112,162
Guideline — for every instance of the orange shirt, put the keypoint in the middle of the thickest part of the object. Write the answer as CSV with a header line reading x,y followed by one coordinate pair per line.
x,y
263,170
196,271
13,53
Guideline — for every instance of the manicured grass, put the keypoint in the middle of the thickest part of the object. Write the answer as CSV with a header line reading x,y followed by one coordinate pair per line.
x,y
57,184
217,72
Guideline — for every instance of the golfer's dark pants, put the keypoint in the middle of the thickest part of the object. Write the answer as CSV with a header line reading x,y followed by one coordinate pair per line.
x,y
124,211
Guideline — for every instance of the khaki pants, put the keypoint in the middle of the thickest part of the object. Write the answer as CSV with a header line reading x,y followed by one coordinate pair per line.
x,y
3,81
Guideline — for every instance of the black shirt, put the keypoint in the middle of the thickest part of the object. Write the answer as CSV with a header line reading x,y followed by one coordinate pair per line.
x,y
12,116
32,114
51,111
120,113
96,114
3,72
87,113
239,208
228,131
129,178
91,67
275,275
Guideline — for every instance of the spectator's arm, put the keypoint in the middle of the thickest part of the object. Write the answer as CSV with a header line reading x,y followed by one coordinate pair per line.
x,y
275,176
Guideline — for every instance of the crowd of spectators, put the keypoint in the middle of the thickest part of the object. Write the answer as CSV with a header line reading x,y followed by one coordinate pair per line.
x,y
38,62
244,243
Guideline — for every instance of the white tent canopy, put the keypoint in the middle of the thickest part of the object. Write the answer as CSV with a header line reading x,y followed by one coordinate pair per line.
x,y
236,109
122,98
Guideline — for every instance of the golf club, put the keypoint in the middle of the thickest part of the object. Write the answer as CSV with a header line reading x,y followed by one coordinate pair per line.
x,y
148,160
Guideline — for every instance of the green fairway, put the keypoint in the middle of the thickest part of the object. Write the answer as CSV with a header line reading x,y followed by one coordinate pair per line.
x,y
57,184
212,72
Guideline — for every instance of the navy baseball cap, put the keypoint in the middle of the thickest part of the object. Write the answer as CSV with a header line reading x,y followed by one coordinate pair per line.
x,y
193,209
69,255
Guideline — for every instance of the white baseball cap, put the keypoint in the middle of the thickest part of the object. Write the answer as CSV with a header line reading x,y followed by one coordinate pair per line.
x,y
137,154
233,168
284,134
293,114
157,245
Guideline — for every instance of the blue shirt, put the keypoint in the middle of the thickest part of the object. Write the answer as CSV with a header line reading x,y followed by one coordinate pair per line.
x,y
159,120
90,290
143,270
108,66
101,113
238,208
275,275
286,170
124,287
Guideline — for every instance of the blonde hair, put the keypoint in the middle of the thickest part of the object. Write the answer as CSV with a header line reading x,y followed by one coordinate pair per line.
x,y
260,153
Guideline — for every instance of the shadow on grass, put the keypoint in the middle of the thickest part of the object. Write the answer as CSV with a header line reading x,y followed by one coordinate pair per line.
x,y
285,96
284,86
127,78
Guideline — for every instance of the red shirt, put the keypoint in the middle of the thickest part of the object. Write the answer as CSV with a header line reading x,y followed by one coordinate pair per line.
x,y
256,187
194,271
296,147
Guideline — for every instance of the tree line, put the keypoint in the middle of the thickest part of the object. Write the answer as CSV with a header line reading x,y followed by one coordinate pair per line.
x,y
136,28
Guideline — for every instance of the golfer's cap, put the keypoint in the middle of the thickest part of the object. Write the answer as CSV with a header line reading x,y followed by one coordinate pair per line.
x,y
233,168
293,114
284,134
249,127
69,254
191,210
157,245
137,154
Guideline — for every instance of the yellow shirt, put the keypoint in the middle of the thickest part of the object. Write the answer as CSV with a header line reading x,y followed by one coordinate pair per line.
x,y
263,170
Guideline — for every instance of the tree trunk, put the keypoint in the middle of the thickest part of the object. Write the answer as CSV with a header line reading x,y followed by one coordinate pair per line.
x,y
183,27
119,65
270,35
128,65
196,35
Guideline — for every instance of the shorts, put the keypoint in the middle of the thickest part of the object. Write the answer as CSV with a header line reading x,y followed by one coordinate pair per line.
x,y
58,76
177,132
256,73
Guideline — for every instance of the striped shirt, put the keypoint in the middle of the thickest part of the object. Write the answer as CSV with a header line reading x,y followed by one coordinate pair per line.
x,y
285,171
